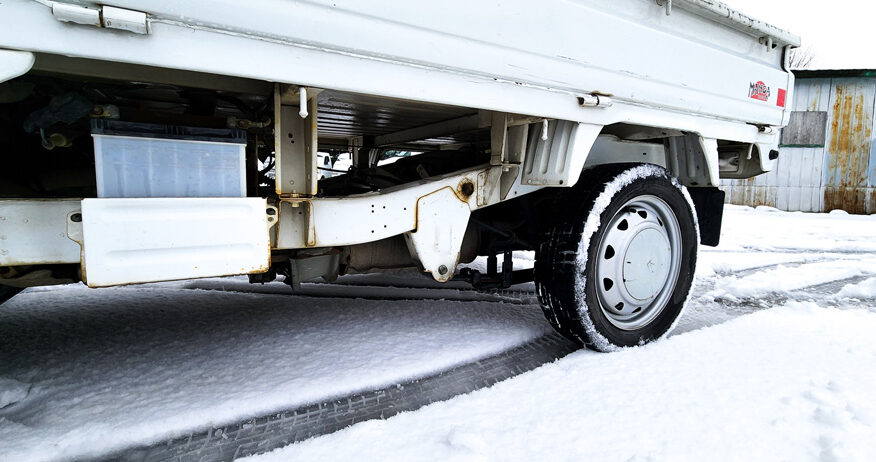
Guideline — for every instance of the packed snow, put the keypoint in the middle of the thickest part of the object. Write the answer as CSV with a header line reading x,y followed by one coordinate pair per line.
x,y
790,383
774,359
111,368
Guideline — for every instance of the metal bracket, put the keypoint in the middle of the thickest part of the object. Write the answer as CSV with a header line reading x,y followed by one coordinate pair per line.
x,y
74,226
312,267
768,41
302,222
441,222
559,160
667,4
498,135
508,149
271,216
295,139
694,159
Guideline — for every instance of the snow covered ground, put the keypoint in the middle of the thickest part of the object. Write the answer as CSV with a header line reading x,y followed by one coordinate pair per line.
x,y
774,359
790,383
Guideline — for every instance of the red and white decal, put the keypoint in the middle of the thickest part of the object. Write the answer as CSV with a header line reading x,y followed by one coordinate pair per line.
x,y
759,90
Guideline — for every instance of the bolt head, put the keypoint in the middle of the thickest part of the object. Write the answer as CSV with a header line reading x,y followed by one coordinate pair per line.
x,y
442,270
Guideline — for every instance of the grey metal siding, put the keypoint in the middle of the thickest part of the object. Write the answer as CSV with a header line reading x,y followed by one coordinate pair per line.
x,y
840,175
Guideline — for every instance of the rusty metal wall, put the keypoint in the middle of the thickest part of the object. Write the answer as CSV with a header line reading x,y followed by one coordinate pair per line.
x,y
840,175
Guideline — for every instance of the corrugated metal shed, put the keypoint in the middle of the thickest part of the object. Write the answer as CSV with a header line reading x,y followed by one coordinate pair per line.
x,y
839,171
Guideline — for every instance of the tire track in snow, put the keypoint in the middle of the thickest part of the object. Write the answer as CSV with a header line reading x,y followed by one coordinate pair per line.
x,y
833,287
265,433
823,292
794,250
369,292
790,264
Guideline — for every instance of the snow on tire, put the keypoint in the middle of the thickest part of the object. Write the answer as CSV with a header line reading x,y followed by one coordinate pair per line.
x,y
616,268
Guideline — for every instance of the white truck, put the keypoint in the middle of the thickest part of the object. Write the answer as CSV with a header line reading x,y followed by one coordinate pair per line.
x,y
156,140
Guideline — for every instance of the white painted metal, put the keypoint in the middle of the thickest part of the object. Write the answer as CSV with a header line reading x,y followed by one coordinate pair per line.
x,y
441,222
142,240
302,103
609,149
123,19
540,72
557,159
332,222
295,139
14,63
101,16
76,14
34,231
328,222
694,159
723,14
583,64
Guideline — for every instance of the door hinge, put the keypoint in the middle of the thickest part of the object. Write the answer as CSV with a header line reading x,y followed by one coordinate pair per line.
x,y
108,17
595,100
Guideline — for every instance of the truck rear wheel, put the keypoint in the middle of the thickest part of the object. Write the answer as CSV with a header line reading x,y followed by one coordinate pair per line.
x,y
616,268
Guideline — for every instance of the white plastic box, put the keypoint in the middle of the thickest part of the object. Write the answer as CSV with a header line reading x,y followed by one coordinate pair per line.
x,y
145,160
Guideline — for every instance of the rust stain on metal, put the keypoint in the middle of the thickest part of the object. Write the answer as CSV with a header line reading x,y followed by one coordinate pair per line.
x,y
848,152
815,99
871,200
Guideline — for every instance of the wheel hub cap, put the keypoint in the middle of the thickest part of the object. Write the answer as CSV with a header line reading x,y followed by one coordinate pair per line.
x,y
646,264
638,263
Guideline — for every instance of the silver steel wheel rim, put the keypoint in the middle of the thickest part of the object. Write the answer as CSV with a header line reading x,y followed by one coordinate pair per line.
x,y
638,263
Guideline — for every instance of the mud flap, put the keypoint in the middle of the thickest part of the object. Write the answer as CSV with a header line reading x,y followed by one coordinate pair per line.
x,y
709,203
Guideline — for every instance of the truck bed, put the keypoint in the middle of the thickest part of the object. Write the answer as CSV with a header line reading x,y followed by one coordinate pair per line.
x,y
702,60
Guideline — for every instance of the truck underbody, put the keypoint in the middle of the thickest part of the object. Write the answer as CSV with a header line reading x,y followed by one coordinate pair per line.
x,y
488,164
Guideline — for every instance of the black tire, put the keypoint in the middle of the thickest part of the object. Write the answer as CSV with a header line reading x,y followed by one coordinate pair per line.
x,y
7,292
566,279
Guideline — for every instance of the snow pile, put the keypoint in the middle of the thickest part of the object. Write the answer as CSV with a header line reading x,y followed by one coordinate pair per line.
x,y
864,290
750,229
791,383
